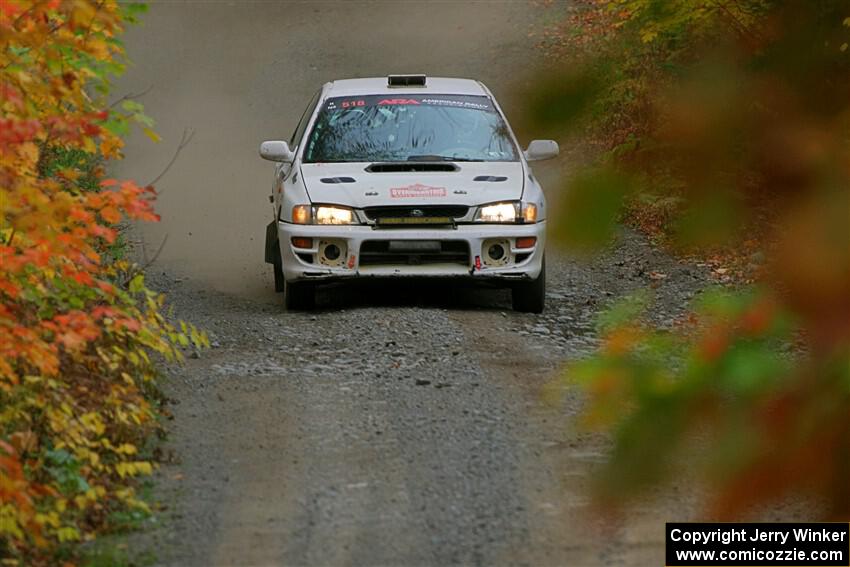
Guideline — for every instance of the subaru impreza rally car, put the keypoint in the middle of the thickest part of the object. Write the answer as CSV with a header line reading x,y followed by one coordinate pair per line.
x,y
406,176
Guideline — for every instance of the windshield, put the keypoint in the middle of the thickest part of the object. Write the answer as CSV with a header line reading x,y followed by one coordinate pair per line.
x,y
409,128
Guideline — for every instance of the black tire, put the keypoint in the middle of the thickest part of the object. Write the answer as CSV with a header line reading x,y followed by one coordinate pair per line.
x,y
530,297
299,296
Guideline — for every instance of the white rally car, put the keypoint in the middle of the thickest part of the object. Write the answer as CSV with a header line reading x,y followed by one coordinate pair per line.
x,y
406,176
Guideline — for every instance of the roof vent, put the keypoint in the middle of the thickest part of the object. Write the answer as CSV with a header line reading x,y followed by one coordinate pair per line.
x,y
406,81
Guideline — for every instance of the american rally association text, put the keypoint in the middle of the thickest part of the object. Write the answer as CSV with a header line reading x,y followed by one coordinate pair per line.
x,y
742,534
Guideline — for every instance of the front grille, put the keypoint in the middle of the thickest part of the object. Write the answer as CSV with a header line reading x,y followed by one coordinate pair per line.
x,y
452,211
413,252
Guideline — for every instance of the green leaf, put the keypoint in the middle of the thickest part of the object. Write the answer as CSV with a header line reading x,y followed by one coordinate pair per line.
x,y
137,284
588,213
624,310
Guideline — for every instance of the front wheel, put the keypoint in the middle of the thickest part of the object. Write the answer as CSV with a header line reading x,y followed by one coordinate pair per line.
x,y
530,297
299,296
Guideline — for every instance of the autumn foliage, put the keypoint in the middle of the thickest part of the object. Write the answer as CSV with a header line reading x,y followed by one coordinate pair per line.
x,y
79,332
724,131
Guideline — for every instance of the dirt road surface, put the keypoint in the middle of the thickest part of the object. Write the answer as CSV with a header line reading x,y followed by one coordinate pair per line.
x,y
401,425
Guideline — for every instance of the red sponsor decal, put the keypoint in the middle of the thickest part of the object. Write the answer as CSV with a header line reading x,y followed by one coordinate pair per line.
x,y
478,263
399,101
417,190
351,262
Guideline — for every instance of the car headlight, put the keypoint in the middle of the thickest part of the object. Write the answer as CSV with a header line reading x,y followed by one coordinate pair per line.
x,y
333,215
512,211
322,214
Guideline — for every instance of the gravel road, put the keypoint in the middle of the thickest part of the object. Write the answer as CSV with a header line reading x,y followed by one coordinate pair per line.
x,y
400,425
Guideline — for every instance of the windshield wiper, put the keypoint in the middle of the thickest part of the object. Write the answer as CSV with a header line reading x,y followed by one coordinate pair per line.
x,y
434,157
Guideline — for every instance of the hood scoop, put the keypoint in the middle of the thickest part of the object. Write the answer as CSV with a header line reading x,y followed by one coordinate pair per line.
x,y
410,167
412,184
491,178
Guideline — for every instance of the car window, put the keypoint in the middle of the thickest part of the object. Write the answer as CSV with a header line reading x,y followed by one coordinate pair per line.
x,y
302,124
409,127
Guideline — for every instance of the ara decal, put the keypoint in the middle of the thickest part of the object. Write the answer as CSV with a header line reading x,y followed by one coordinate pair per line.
x,y
399,101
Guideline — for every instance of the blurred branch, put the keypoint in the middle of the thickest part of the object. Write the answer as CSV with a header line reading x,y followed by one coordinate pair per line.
x,y
187,136
131,96
149,262
146,262
744,32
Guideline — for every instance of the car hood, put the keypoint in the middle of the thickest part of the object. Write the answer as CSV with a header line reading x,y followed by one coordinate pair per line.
x,y
473,183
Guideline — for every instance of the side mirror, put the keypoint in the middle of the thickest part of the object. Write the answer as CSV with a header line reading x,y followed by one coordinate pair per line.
x,y
276,151
541,149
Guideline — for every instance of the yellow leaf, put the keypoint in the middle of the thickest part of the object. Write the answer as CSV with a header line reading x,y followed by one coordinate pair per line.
x,y
127,449
67,534
111,146
29,152
89,145
8,522
151,134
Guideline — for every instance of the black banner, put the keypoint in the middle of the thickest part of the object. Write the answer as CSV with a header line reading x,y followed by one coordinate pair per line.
x,y
474,102
762,545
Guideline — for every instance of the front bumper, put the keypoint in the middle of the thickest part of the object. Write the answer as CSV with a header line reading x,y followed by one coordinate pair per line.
x,y
366,252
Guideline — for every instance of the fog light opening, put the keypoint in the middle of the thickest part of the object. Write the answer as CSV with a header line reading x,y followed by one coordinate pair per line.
x,y
332,252
496,252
